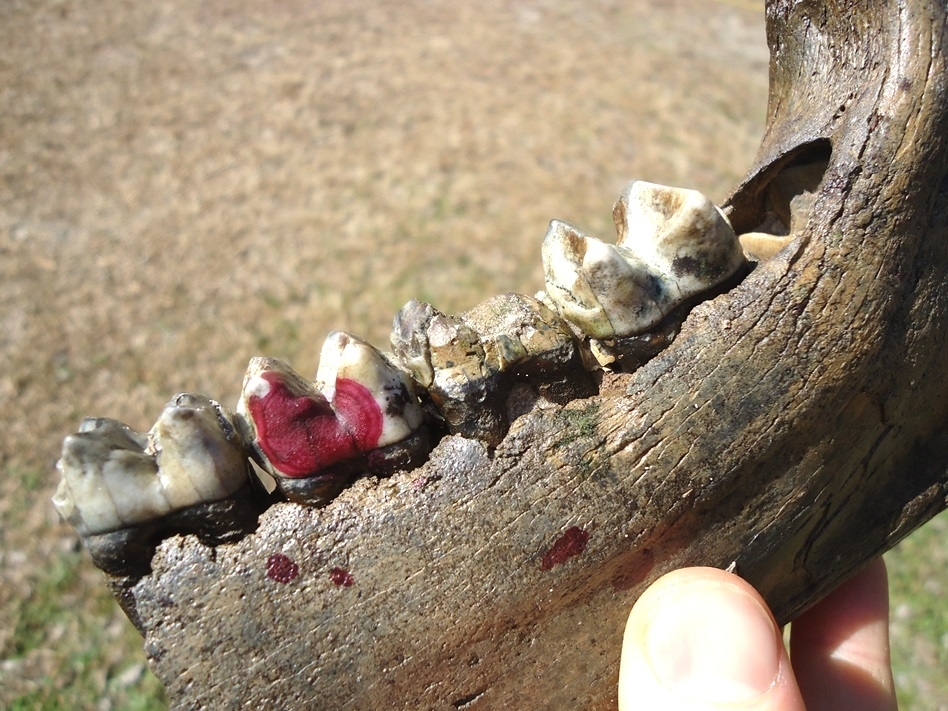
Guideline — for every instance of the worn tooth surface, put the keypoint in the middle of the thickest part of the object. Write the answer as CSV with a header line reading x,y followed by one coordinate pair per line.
x,y
673,244
312,440
473,360
294,426
108,481
601,288
410,340
199,453
124,491
525,338
350,368
680,234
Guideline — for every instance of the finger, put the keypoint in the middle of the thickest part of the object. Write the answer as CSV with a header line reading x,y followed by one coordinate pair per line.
x,y
840,648
700,638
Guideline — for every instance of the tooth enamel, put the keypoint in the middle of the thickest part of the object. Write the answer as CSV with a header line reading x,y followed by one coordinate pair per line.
x,y
673,244
601,288
114,477
346,357
108,481
200,457
759,246
361,413
409,340
678,232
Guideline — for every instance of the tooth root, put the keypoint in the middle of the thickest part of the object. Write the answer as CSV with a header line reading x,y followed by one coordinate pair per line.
x,y
200,456
601,288
680,234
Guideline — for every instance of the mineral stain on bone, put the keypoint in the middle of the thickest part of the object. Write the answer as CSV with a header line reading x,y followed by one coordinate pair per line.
x,y
341,577
281,568
571,544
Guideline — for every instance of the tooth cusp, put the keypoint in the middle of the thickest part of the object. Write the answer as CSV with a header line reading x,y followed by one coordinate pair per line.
x,y
672,245
603,289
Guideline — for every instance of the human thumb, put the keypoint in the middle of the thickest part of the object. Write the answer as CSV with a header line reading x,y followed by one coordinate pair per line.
x,y
701,638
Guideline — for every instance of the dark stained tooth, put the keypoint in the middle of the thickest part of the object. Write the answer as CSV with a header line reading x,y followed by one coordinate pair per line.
x,y
469,363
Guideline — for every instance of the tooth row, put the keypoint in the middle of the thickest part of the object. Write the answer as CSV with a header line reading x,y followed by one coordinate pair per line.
x,y
366,411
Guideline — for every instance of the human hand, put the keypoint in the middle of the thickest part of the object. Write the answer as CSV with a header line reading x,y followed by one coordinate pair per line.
x,y
701,638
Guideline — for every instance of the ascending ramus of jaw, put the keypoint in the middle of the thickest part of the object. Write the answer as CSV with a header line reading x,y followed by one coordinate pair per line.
x,y
673,244
311,437
114,477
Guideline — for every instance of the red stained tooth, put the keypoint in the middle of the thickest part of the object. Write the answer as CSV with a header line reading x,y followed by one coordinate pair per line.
x,y
357,408
301,434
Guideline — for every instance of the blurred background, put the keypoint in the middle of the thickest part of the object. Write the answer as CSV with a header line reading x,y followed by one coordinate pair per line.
x,y
184,185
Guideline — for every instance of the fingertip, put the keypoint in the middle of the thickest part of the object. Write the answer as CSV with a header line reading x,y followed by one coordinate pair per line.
x,y
701,638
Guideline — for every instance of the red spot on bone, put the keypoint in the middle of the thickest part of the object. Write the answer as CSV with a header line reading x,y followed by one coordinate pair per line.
x,y
301,434
341,577
569,545
281,568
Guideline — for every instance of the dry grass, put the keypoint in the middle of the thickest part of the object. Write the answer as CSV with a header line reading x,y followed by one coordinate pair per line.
x,y
186,185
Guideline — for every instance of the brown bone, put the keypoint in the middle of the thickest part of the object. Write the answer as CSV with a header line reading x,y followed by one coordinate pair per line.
x,y
795,430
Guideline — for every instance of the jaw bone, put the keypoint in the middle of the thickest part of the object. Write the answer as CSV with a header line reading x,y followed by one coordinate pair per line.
x,y
673,244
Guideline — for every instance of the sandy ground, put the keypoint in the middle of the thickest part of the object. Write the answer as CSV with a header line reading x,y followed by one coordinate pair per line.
x,y
184,185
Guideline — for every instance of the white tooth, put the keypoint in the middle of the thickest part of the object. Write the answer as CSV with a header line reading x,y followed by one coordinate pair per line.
x,y
345,356
111,477
108,481
199,456
679,233
599,287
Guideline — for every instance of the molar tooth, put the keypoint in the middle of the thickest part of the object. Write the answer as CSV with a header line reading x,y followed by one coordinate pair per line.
x,y
200,456
680,234
602,288
108,480
124,491
362,413
346,359
476,358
